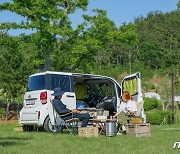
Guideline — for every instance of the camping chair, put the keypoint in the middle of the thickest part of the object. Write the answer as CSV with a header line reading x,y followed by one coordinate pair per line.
x,y
134,119
140,111
60,123
140,116
139,106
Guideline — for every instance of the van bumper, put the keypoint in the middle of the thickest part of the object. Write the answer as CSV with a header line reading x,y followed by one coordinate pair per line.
x,y
31,117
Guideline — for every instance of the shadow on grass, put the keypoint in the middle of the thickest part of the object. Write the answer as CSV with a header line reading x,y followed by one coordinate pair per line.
x,y
171,129
10,141
14,138
7,143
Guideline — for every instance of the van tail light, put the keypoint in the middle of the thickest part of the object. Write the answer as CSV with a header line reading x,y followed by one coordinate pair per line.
x,y
38,115
43,97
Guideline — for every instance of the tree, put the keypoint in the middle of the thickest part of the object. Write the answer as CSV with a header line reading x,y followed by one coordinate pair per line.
x,y
158,39
149,54
83,45
16,58
178,4
48,18
119,46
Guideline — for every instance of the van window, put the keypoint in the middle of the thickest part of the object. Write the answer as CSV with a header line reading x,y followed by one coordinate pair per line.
x,y
37,83
62,81
105,89
118,90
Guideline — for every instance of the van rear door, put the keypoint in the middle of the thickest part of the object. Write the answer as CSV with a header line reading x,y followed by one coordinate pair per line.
x,y
132,84
34,99
37,93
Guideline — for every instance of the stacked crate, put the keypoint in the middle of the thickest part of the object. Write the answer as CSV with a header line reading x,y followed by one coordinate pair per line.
x,y
138,129
88,131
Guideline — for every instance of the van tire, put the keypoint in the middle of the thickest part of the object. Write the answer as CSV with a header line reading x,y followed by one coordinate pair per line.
x,y
48,127
27,128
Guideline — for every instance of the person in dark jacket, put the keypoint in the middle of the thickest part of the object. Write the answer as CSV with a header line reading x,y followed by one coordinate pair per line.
x,y
62,109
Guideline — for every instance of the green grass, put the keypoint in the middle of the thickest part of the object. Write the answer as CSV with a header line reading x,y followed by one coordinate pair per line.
x,y
161,141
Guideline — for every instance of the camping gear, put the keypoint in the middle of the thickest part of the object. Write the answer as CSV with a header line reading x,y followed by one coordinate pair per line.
x,y
138,129
109,117
106,113
101,117
100,112
60,123
110,128
80,106
88,131
136,121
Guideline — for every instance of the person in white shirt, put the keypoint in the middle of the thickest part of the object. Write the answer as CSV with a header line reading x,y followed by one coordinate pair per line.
x,y
127,109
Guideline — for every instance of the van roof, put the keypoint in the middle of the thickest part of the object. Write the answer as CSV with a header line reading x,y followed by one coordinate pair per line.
x,y
77,75
71,74
51,72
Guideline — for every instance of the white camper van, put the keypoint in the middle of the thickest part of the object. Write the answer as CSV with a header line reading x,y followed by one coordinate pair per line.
x,y
92,91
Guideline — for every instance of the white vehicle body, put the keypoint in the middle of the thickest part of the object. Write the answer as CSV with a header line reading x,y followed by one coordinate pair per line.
x,y
37,100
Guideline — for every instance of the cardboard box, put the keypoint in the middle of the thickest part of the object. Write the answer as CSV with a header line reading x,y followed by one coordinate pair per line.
x,y
138,129
88,131
136,121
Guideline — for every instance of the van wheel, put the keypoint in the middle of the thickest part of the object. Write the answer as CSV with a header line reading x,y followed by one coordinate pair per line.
x,y
48,127
27,128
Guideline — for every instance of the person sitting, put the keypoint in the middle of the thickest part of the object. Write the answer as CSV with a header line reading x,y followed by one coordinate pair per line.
x,y
127,110
62,109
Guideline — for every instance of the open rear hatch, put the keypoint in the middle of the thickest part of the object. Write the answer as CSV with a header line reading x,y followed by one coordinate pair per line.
x,y
132,84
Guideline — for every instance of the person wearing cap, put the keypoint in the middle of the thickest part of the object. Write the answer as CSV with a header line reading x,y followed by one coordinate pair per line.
x,y
62,109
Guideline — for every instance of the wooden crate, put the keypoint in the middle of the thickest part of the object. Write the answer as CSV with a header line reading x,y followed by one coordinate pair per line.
x,y
138,129
18,129
88,131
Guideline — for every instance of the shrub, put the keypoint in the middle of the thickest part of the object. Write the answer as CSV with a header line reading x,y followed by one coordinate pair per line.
x,y
148,86
2,111
150,103
156,117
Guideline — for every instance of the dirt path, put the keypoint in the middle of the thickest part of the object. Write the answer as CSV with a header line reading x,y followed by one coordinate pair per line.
x,y
8,122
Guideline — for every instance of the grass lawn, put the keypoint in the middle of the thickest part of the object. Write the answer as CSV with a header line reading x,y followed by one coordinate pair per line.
x,y
161,141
